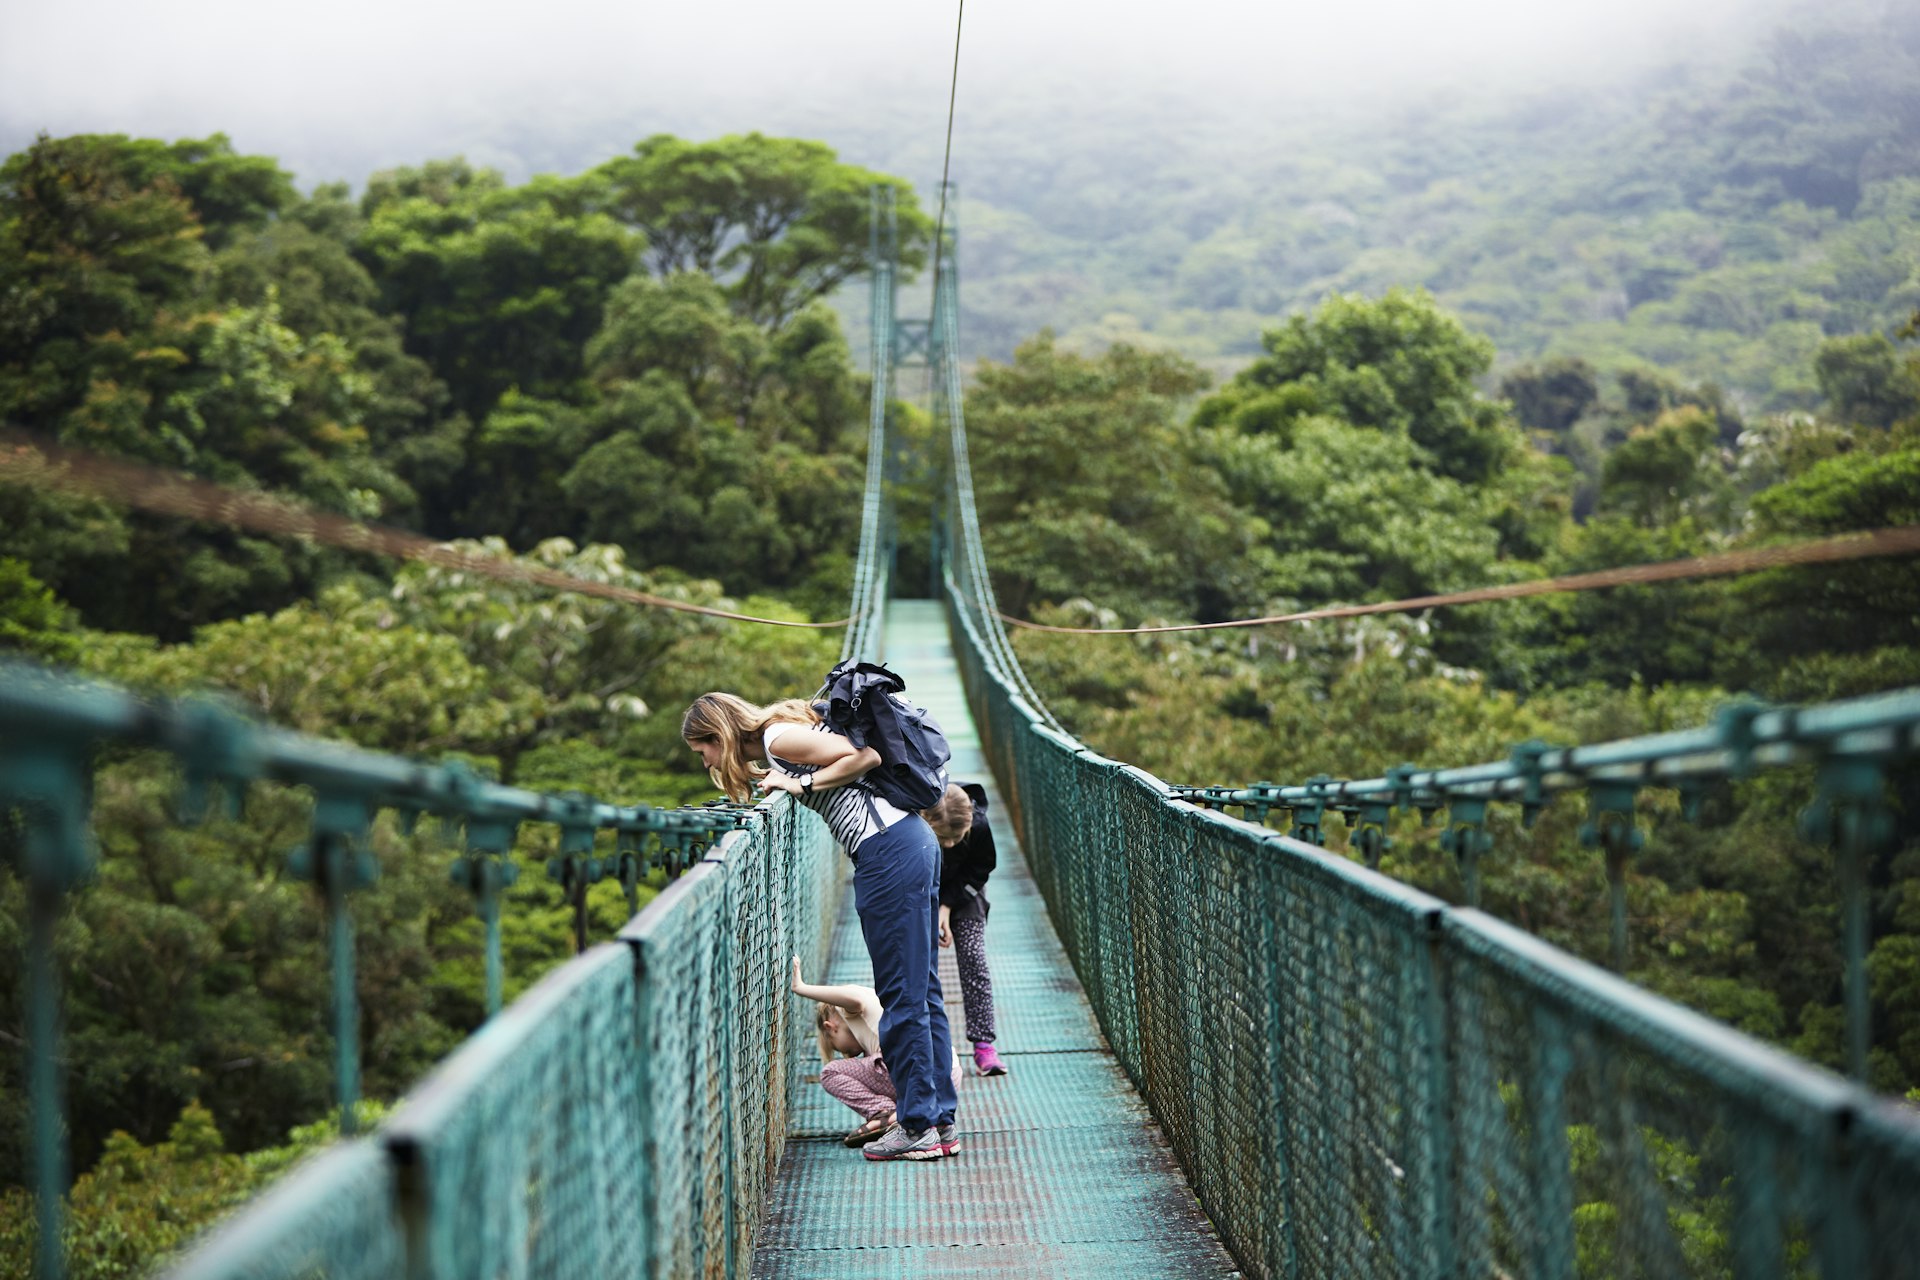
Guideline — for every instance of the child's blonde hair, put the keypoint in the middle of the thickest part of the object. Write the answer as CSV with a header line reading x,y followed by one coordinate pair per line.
x,y
951,816
821,1012
737,725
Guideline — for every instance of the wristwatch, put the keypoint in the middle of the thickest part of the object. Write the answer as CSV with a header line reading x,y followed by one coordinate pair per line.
x,y
806,785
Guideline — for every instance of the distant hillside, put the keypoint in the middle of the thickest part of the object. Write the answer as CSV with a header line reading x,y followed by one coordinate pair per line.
x,y
1718,218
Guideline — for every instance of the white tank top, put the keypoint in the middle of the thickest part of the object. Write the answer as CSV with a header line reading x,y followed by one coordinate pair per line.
x,y
853,813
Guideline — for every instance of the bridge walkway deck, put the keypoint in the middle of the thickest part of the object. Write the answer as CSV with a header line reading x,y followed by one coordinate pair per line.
x,y
1063,1172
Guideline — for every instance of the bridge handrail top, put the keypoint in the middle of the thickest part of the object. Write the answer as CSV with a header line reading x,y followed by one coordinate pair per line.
x,y
81,711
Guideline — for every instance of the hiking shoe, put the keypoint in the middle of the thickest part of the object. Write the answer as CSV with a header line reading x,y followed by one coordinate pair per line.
x,y
898,1144
986,1061
949,1140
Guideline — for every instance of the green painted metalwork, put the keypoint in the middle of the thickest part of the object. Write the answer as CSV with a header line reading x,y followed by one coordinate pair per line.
x,y
873,566
624,1116
51,723
1361,1080
1852,741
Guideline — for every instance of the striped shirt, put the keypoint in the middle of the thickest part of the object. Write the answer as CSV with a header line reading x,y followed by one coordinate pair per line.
x,y
852,811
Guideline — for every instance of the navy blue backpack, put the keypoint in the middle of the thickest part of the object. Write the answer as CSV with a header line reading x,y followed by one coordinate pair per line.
x,y
862,702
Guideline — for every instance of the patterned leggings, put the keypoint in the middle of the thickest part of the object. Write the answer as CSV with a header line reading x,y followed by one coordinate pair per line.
x,y
863,1084
976,984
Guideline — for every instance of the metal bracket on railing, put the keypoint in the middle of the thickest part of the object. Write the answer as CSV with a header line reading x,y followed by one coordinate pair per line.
x,y
1409,795
1309,815
1368,826
1466,838
51,784
1528,758
1261,799
1851,815
674,852
335,859
630,862
1610,827
1735,723
217,745
484,869
1203,797
575,868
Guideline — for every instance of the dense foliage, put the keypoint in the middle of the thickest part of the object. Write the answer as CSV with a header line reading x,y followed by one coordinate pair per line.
x,y
1355,462
1656,322
524,364
1716,216
449,352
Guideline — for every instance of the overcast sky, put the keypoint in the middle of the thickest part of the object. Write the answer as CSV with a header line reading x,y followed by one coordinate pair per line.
x,y
336,90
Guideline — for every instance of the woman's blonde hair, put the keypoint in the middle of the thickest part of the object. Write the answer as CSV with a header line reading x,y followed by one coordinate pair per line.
x,y
737,725
951,816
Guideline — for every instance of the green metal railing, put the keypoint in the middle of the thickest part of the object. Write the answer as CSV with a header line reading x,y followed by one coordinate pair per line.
x,y
1852,745
560,1108
624,1116
1361,1080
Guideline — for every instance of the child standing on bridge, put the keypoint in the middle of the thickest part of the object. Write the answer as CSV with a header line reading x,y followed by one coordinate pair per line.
x,y
787,747
967,858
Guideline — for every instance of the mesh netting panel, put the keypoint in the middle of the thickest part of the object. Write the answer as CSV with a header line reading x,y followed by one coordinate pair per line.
x,y
1887,1181
1600,1134
535,1118
1361,1081
682,1009
335,1218
622,1118
721,1036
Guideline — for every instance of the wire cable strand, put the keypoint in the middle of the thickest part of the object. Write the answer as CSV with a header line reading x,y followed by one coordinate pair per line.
x,y
1903,540
946,160
32,462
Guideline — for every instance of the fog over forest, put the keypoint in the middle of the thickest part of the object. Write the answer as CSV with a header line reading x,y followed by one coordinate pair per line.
x,y
360,86
1370,303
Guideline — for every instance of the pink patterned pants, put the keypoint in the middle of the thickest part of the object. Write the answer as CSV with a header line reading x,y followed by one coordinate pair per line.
x,y
863,1084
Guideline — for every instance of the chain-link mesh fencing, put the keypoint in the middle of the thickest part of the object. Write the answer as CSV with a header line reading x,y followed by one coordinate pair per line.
x,y
623,1118
1360,1080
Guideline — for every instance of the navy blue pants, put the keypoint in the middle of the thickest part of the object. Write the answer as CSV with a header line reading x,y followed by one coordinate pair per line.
x,y
896,891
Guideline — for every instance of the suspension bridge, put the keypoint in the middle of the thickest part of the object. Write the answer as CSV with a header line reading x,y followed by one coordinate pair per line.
x,y
1233,1050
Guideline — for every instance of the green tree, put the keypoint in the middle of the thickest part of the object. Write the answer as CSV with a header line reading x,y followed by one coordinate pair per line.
x,y
1088,484
1664,471
117,341
1552,395
1398,364
778,222
303,264
1352,514
499,287
32,620
94,264
1857,608
1865,382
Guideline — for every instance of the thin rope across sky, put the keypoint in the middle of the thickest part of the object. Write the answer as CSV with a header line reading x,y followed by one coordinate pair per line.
x,y
946,160
165,493
1903,540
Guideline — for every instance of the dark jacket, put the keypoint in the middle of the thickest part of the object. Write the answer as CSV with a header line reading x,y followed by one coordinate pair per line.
x,y
965,867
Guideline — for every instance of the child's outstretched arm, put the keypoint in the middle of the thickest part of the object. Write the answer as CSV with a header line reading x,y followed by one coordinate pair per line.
x,y
851,998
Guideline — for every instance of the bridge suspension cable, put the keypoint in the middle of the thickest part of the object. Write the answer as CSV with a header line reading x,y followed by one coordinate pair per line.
x,y
946,159
1903,540
28,461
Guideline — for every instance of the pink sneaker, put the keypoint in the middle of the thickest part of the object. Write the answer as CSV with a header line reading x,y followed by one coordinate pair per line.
x,y
986,1061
